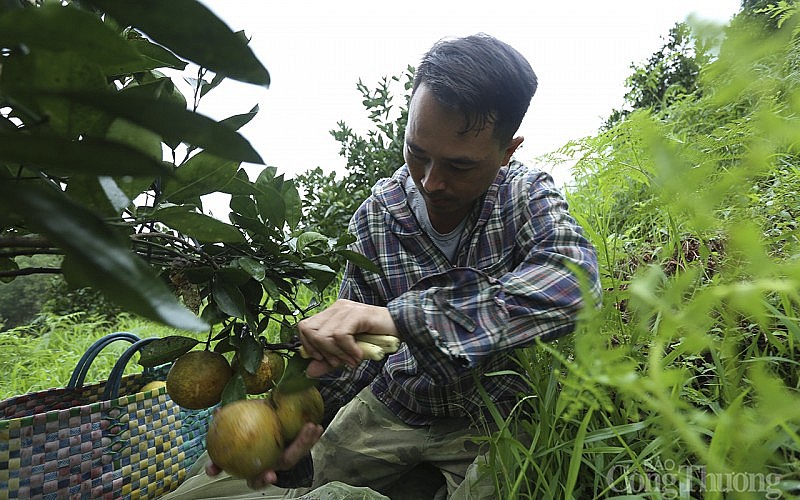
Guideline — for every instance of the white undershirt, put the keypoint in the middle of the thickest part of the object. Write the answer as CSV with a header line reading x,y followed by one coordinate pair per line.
x,y
447,243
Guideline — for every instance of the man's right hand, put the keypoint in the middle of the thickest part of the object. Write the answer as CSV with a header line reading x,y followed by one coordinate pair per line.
x,y
292,454
329,336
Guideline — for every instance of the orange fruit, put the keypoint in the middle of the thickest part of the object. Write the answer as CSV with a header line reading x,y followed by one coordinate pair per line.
x,y
268,373
294,409
197,379
244,438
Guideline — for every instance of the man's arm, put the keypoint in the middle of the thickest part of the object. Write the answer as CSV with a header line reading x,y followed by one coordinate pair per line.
x,y
454,320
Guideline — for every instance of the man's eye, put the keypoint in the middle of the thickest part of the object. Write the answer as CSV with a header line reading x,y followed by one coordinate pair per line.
x,y
461,168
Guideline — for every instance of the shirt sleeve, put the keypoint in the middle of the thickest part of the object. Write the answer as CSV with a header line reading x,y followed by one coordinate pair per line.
x,y
454,320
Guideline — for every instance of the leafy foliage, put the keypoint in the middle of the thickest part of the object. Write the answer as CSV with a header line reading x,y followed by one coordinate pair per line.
x,y
668,75
22,299
686,380
330,201
103,160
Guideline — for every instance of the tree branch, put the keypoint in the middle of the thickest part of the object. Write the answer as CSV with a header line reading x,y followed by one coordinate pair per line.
x,y
33,251
27,241
30,270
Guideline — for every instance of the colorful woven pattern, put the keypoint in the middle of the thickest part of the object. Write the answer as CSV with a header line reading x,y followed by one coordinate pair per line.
x,y
64,443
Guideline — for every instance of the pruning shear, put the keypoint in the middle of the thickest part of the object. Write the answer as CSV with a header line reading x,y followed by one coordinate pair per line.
x,y
374,347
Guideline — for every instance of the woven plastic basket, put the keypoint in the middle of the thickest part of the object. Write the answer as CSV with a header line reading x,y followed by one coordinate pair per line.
x,y
89,442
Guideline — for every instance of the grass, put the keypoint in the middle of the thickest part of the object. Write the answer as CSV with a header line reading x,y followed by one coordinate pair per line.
x,y
44,354
685,384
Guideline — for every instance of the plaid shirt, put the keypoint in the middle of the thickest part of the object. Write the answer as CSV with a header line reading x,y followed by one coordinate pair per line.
x,y
510,284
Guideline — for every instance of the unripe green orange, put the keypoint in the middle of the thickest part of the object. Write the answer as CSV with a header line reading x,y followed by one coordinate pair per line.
x,y
268,373
197,379
244,438
155,384
294,409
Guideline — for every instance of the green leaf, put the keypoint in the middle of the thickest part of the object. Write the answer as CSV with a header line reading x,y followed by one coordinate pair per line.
x,y
31,81
244,205
99,193
155,86
314,266
173,122
239,185
134,186
294,376
253,267
360,260
154,56
225,345
99,252
228,298
281,308
576,457
198,274
233,275
255,228
152,88
345,240
234,390
74,274
293,203
309,238
270,204
267,175
212,315
250,353
271,288
252,291
184,219
236,122
64,157
202,174
165,350
8,264
206,87
66,29
137,137
192,31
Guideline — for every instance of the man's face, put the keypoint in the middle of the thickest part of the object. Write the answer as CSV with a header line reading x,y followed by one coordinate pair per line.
x,y
451,169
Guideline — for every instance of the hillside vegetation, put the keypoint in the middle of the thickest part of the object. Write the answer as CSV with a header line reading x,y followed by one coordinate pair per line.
x,y
685,384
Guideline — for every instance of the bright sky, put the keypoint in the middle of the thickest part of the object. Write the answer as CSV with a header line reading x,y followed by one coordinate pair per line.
x,y
316,51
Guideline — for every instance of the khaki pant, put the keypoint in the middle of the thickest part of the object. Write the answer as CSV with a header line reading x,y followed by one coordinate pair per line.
x,y
367,453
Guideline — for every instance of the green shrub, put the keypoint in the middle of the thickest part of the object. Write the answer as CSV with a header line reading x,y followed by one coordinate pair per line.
x,y
685,383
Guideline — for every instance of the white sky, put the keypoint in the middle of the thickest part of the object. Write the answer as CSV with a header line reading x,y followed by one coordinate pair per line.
x,y
316,51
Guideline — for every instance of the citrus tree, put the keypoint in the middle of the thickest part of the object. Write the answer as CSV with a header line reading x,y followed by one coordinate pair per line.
x,y
330,200
103,161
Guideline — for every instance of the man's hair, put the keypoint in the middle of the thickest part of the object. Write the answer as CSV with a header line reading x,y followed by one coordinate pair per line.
x,y
487,80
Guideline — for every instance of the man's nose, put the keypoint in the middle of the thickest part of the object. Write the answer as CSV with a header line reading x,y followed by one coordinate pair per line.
x,y
434,179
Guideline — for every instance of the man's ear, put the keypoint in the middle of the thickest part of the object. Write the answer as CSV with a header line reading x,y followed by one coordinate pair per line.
x,y
512,146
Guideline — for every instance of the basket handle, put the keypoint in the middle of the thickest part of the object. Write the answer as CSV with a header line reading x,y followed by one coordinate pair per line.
x,y
82,368
111,390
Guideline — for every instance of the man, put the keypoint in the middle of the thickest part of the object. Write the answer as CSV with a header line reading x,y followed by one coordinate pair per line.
x,y
478,257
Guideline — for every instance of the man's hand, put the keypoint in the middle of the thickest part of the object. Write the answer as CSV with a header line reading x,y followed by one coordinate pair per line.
x,y
329,336
292,454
